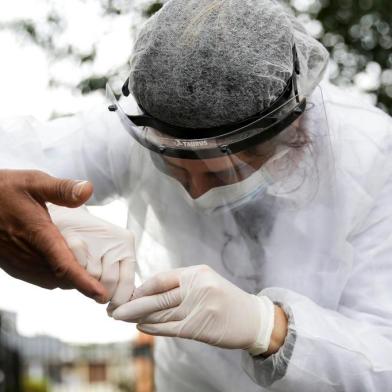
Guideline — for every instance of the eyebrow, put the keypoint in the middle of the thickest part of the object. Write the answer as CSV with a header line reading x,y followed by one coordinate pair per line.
x,y
215,172
175,166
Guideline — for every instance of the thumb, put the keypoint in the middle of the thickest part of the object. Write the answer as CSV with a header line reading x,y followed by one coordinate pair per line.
x,y
62,192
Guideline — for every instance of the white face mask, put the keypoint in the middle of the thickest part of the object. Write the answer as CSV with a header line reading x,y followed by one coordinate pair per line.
x,y
229,197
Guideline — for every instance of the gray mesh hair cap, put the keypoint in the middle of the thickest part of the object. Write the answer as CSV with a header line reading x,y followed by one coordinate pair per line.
x,y
206,63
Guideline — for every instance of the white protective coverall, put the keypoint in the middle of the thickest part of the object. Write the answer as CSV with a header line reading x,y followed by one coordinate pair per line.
x,y
328,263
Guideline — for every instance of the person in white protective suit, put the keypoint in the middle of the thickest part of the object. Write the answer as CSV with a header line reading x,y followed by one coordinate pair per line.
x,y
260,200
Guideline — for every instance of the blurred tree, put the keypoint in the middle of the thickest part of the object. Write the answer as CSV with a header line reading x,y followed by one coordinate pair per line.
x,y
358,34
35,386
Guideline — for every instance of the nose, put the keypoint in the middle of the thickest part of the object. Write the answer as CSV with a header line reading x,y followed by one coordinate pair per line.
x,y
199,185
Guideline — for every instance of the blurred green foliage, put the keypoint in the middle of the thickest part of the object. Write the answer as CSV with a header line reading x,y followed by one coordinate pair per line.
x,y
30,385
357,33
125,386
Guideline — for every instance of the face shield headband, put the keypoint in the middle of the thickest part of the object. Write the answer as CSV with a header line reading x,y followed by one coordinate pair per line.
x,y
192,143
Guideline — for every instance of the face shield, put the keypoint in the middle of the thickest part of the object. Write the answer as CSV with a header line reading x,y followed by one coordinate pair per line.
x,y
222,168
236,197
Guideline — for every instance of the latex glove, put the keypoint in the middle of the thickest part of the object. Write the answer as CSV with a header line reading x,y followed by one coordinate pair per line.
x,y
105,251
197,303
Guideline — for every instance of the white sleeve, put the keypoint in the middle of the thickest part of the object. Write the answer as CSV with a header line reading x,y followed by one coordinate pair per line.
x,y
91,146
348,349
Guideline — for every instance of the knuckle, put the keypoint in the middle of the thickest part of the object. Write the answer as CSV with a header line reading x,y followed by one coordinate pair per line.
x,y
204,268
75,243
121,232
137,292
96,275
31,177
14,232
210,287
62,188
129,237
164,301
173,296
94,269
213,310
35,231
61,271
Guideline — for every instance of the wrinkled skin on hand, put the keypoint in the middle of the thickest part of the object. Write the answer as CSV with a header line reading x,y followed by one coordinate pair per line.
x,y
31,247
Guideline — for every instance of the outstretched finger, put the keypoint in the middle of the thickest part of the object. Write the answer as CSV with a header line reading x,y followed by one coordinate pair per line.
x,y
159,283
110,274
126,284
79,250
143,307
164,316
170,329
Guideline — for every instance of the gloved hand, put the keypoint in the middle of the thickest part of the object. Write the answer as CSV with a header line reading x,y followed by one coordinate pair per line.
x,y
105,251
197,303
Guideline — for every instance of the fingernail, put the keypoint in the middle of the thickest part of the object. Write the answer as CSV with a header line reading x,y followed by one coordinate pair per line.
x,y
78,189
100,300
120,315
110,309
143,329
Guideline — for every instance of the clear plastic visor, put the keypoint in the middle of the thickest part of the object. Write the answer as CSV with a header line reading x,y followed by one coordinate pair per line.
x,y
231,176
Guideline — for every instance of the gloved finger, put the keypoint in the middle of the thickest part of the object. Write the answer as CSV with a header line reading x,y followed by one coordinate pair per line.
x,y
164,316
94,267
142,307
79,249
170,329
110,309
159,283
126,284
110,273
